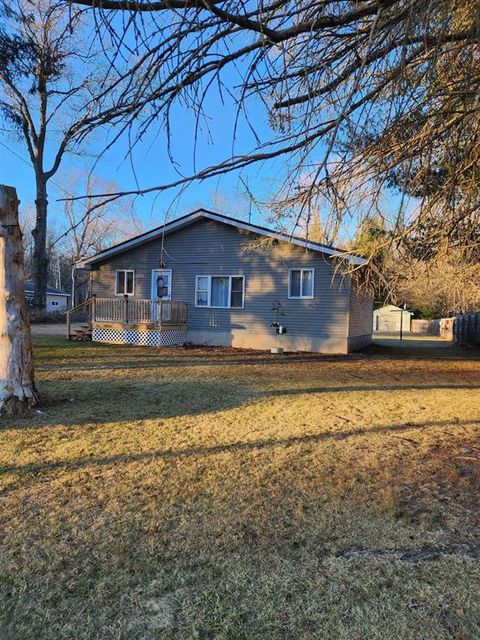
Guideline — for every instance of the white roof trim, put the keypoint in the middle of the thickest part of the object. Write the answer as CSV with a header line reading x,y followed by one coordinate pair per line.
x,y
197,215
50,293
392,307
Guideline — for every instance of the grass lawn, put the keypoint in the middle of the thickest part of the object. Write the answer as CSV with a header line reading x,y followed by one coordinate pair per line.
x,y
214,494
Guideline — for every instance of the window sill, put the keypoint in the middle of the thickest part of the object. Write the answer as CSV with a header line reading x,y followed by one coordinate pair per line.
x,y
201,306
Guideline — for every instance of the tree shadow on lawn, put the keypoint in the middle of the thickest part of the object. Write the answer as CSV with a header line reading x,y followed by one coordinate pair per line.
x,y
52,355
61,354
234,447
79,402
97,543
162,358
76,402
451,352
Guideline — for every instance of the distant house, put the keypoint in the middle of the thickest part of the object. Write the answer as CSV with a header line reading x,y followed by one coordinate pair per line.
x,y
206,278
57,300
388,319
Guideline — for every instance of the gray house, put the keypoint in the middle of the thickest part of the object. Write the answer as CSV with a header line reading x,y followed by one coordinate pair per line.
x,y
210,279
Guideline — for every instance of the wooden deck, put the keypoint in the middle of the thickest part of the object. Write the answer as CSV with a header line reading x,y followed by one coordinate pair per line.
x,y
139,313
125,320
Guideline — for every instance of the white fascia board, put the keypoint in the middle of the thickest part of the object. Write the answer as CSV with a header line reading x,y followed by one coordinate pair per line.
x,y
186,220
146,237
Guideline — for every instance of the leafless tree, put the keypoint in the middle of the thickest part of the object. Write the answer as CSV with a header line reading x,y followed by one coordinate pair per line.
x,y
446,284
90,227
361,96
54,91
27,216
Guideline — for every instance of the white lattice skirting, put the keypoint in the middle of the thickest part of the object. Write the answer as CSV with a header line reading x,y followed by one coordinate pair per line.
x,y
165,338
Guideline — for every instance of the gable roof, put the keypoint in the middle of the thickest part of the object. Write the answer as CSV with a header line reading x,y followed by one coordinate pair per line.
x,y
29,288
199,214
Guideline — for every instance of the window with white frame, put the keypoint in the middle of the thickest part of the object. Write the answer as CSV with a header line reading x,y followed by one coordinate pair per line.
x,y
220,292
300,283
124,282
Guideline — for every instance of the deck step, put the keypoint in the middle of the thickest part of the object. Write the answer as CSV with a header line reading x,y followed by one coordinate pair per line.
x,y
82,333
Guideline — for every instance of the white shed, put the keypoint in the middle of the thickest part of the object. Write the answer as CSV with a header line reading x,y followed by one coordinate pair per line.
x,y
57,300
389,318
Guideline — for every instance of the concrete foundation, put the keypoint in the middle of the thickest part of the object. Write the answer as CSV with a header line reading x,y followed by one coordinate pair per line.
x,y
248,340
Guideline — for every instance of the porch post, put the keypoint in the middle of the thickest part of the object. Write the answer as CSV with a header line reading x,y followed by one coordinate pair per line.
x,y
126,309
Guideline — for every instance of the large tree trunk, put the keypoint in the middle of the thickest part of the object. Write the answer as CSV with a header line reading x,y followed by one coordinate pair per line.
x,y
40,260
17,387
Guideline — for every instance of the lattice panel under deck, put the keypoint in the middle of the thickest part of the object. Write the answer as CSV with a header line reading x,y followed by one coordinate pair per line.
x,y
165,338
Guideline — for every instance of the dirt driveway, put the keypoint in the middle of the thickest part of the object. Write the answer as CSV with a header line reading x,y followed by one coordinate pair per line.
x,y
411,340
59,329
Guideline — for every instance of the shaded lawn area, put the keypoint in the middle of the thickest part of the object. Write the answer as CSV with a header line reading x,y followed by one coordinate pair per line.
x,y
216,494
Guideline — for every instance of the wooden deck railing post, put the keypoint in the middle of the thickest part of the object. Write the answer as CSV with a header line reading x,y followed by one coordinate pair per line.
x,y
68,314
126,309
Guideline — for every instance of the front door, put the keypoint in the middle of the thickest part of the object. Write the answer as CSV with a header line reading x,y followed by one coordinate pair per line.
x,y
161,290
161,284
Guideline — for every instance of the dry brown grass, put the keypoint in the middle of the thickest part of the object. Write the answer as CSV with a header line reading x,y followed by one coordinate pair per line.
x,y
184,494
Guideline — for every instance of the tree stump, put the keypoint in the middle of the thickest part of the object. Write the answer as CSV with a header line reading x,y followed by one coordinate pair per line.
x,y
17,387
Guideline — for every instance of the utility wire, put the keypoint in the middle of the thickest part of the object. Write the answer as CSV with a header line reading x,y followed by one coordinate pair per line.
x,y
30,164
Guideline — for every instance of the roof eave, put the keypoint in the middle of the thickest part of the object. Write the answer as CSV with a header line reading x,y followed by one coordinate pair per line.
x,y
175,225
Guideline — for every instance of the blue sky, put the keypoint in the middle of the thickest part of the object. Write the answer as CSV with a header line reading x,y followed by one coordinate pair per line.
x,y
150,160
152,166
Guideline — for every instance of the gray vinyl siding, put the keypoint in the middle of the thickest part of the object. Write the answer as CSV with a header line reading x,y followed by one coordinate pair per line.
x,y
361,314
360,319
210,248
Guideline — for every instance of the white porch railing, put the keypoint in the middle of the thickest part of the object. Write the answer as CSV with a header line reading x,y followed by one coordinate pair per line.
x,y
129,310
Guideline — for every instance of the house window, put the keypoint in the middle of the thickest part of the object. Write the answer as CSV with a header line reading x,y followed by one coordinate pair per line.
x,y
220,292
300,283
124,282
202,294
